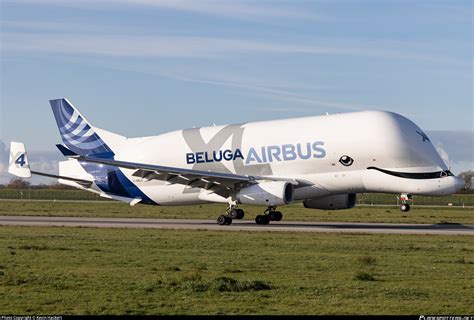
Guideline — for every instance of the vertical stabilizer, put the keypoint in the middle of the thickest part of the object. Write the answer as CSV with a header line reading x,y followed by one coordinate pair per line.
x,y
76,132
19,164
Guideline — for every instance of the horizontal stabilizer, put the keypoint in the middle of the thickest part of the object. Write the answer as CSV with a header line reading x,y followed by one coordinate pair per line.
x,y
82,182
20,166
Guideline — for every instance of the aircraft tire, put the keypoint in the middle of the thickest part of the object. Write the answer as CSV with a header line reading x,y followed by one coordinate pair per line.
x,y
228,220
221,220
262,219
233,214
271,215
239,214
404,207
277,216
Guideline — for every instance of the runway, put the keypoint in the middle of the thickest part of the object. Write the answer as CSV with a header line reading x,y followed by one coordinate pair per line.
x,y
245,225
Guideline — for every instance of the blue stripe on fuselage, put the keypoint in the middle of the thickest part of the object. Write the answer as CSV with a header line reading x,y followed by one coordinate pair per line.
x,y
111,180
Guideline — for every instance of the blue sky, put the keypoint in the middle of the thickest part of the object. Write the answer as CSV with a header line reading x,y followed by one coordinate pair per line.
x,y
146,67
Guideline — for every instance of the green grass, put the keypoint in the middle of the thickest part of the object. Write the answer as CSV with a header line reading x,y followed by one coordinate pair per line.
x,y
291,212
128,271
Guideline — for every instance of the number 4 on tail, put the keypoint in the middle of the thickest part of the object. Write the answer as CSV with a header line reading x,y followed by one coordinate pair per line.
x,y
21,160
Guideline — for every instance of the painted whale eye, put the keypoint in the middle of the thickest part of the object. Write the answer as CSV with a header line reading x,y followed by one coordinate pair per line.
x,y
346,161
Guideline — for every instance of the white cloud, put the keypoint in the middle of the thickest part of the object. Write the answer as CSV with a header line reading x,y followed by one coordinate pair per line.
x,y
275,91
159,46
233,9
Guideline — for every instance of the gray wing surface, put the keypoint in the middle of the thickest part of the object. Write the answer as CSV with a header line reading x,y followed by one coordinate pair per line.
x,y
220,183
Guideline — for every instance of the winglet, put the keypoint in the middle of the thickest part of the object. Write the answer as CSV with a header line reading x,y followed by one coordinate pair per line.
x,y
19,165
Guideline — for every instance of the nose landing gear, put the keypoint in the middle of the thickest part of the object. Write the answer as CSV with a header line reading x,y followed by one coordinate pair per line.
x,y
404,206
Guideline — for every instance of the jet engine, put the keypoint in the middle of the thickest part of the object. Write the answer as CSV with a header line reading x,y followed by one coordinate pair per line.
x,y
334,202
269,193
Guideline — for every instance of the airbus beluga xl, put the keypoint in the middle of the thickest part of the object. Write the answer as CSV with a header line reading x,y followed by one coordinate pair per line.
x,y
322,161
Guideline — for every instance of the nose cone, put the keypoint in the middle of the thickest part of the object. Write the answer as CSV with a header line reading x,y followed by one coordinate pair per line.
x,y
458,184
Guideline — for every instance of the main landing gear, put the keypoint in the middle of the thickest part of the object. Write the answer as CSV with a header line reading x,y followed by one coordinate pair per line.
x,y
232,213
404,206
269,215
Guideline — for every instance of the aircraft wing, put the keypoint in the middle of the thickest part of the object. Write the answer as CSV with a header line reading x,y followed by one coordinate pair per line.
x,y
221,183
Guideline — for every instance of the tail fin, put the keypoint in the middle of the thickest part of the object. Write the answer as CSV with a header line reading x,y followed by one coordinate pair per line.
x,y
19,165
77,133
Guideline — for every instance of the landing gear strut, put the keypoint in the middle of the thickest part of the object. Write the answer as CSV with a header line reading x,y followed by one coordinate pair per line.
x,y
269,215
232,213
404,206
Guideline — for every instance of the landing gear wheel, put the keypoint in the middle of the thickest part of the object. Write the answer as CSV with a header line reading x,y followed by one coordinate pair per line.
x,y
262,219
233,214
272,214
277,216
404,207
224,220
221,220
239,214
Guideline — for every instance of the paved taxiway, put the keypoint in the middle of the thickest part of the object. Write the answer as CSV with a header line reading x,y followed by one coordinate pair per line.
x,y
245,225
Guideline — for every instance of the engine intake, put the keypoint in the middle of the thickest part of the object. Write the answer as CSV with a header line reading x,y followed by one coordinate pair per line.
x,y
335,202
271,193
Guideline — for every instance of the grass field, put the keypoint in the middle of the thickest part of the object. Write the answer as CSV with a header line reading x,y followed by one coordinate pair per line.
x,y
291,212
117,271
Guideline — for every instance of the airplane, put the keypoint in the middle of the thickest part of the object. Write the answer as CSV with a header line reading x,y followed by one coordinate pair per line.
x,y
321,161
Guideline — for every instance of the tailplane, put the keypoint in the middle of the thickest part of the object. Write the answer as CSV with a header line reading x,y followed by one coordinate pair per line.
x,y
19,166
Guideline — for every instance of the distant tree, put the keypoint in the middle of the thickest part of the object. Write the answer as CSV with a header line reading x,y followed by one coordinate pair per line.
x,y
2,186
467,176
58,186
39,186
18,183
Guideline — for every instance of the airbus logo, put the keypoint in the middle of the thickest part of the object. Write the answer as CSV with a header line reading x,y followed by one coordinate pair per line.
x,y
264,154
423,135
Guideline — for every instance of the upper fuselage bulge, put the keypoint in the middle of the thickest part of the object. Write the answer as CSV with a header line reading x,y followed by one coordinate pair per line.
x,y
382,152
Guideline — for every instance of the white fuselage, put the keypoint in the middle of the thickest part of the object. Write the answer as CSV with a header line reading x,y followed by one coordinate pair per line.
x,y
308,149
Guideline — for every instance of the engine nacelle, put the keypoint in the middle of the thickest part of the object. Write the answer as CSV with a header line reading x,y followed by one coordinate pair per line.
x,y
335,202
270,193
